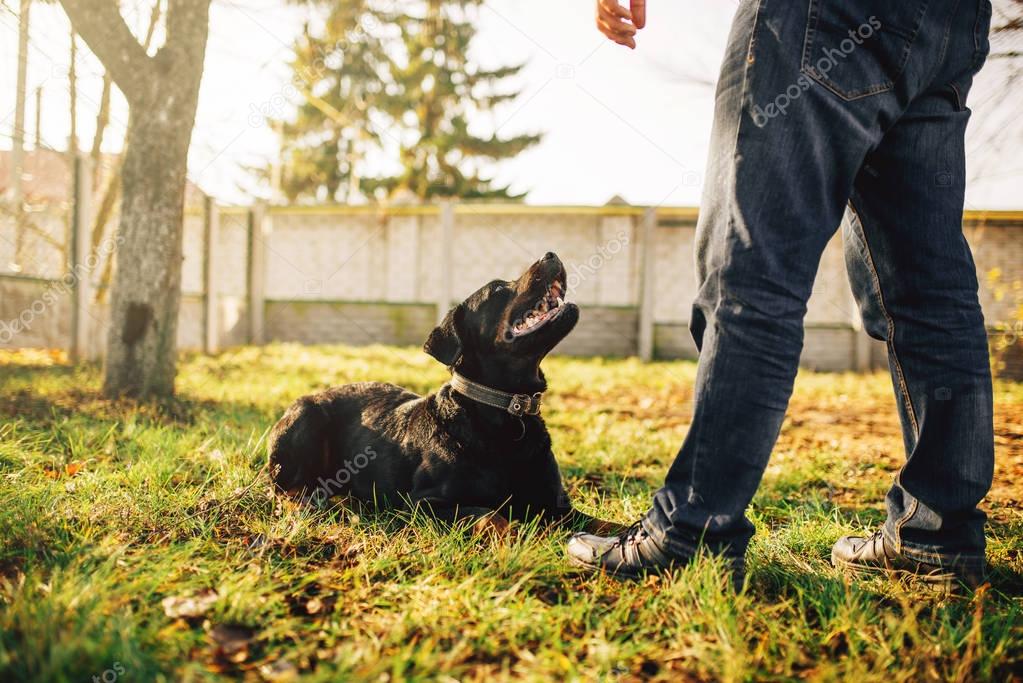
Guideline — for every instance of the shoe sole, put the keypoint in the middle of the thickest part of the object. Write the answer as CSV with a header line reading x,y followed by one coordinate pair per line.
x,y
599,569
937,581
622,576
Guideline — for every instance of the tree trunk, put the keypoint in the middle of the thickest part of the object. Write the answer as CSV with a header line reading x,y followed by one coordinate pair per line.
x,y
141,340
112,192
162,93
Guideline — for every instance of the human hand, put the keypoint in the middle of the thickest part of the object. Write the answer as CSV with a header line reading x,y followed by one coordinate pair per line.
x,y
620,24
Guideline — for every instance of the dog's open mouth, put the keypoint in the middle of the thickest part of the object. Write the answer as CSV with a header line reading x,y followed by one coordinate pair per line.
x,y
549,307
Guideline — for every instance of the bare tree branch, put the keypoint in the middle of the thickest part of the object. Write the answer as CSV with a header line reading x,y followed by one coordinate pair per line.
x,y
102,27
187,28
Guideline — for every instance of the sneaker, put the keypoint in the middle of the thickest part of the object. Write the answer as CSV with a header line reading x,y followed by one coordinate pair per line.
x,y
631,555
875,555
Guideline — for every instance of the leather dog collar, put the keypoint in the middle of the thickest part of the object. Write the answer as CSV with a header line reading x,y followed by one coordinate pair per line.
x,y
516,404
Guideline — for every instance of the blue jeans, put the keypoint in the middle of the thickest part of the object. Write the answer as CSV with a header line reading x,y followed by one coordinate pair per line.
x,y
825,108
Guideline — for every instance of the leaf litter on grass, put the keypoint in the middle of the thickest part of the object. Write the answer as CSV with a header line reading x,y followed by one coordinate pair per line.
x,y
219,580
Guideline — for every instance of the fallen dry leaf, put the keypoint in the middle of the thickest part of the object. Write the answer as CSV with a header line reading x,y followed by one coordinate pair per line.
x,y
68,470
231,642
280,671
189,606
314,606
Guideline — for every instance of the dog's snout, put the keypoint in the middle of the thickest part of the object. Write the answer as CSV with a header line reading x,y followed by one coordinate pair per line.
x,y
546,269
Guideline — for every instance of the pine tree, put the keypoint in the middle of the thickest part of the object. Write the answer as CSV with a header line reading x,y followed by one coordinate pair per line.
x,y
443,90
396,85
340,76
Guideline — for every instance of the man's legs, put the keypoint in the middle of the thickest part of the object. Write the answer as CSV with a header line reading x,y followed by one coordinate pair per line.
x,y
788,145
784,153
777,185
916,283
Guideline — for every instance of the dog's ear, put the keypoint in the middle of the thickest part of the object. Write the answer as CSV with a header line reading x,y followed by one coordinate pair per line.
x,y
445,342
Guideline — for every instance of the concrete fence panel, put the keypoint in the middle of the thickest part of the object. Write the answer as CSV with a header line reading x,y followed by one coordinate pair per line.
x,y
364,275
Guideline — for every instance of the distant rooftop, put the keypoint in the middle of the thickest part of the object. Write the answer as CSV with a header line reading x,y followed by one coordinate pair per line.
x,y
47,176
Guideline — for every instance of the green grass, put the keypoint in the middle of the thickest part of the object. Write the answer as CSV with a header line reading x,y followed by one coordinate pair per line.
x,y
107,508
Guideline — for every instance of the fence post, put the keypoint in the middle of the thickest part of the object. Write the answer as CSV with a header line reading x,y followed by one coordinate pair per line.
x,y
81,217
647,284
211,266
256,276
447,231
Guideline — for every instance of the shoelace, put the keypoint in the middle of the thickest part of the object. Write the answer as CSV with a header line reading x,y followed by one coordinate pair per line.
x,y
871,542
630,534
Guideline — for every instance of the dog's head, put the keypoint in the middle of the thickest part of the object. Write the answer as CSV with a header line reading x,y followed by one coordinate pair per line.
x,y
506,328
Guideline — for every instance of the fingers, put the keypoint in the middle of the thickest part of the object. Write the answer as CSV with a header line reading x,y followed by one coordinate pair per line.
x,y
613,21
639,13
614,9
622,37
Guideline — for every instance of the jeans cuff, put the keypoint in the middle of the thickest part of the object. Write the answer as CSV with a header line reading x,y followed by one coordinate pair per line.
x,y
932,554
680,546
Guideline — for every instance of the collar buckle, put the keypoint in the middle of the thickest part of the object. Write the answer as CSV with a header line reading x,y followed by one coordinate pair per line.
x,y
514,404
524,404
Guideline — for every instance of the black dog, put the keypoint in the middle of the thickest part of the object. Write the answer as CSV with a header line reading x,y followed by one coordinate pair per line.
x,y
477,449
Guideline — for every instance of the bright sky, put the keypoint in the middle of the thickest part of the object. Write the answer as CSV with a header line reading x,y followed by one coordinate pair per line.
x,y
616,122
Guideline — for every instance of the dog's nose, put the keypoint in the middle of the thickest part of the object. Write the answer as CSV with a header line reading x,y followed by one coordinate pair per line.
x,y
550,255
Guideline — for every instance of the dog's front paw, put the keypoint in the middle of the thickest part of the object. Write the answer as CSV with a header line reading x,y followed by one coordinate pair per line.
x,y
494,526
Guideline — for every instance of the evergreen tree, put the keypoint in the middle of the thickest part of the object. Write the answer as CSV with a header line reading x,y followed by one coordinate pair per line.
x,y
396,85
340,76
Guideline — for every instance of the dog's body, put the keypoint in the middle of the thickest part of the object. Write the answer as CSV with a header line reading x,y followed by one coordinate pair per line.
x,y
464,458
442,449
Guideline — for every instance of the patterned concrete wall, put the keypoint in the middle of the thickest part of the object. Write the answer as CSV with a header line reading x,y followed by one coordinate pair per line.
x,y
672,340
603,331
231,277
363,276
34,313
828,348
998,253
353,323
674,274
494,246
831,302
41,241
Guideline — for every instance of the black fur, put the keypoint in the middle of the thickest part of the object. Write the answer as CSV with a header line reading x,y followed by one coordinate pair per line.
x,y
381,443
